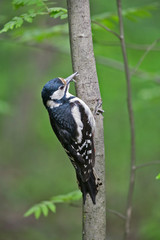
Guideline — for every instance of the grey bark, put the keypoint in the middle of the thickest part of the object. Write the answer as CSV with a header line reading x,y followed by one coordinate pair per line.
x,y
87,88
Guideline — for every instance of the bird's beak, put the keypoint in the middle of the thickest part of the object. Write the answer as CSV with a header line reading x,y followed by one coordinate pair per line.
x,y
70,78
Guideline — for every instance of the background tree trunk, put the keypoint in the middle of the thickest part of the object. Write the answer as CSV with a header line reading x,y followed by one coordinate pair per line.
x,y
87,88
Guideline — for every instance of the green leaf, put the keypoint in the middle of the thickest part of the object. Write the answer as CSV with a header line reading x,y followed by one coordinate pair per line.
x,y
28,18
14,23
158,177
44,209
132,14
57,9
73,196
20,3
37,212
30,211
64,16
58,12
17,22
51,206
45,206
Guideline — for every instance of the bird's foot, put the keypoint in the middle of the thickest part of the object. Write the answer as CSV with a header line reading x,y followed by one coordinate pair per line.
x,y
98,109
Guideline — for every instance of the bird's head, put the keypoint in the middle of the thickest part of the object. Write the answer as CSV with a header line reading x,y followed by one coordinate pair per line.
x,y
56,89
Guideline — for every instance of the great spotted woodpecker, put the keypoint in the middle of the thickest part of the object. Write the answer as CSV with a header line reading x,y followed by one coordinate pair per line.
x,y
73,124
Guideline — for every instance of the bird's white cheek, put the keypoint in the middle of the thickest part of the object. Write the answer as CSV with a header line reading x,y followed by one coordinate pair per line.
x,y
52,104
58,94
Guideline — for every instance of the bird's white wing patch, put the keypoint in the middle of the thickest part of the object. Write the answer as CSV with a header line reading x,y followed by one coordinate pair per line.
x,y
87,111
77,117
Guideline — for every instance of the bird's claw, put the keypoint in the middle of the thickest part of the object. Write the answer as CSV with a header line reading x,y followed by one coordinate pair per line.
x,y
98,109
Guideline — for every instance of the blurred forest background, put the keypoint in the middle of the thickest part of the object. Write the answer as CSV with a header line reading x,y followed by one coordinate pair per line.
x,y
33,166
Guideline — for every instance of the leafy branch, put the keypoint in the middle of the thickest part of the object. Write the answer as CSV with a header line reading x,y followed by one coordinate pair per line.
x,y
45,206
17,22
21,3
40,8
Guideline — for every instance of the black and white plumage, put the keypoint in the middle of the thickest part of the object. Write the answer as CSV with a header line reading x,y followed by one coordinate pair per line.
x,y
73,124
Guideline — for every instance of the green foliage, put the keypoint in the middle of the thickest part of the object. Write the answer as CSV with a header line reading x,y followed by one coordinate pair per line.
x,y
38,8
69,197
21,3
46,206
133,14
58,12
17,22
158,177
40,208
26,137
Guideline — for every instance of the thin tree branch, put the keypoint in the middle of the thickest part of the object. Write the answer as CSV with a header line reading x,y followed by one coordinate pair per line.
x,y
150,47
102,60
106,43
128,45
120,66
106,28
132,128
117,213
141,47
147,164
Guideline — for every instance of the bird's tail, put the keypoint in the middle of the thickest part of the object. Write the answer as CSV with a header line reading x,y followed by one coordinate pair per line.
x,y
90,186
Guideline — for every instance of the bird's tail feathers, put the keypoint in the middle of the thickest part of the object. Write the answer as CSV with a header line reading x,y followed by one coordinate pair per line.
x,y
91,186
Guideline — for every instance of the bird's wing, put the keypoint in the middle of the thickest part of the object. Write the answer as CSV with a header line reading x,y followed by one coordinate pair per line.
x,y
77,136
81,149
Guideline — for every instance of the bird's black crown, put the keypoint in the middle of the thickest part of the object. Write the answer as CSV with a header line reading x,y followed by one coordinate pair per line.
x,y
49,88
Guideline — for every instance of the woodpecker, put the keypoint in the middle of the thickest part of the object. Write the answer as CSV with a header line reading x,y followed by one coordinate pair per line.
x,y
74,125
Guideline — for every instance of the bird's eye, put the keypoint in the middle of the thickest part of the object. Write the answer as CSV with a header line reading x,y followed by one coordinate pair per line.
x,y
61,87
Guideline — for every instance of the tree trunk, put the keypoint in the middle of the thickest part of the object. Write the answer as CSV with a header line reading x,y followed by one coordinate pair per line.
x,y
87,88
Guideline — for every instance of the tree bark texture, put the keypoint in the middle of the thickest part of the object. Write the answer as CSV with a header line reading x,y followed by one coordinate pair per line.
x,y
87,88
